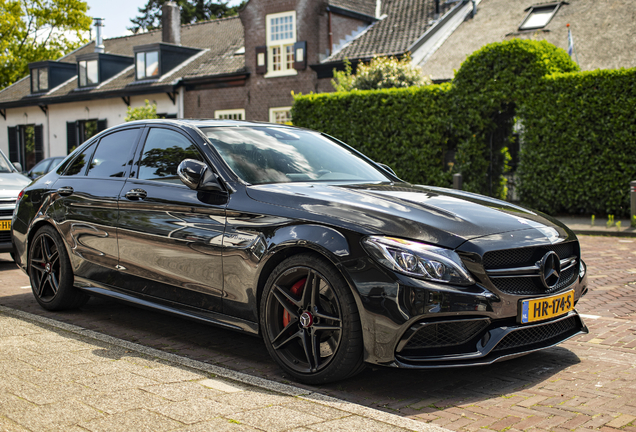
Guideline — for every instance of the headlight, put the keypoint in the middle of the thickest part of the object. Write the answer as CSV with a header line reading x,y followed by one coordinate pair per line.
x,y
419,260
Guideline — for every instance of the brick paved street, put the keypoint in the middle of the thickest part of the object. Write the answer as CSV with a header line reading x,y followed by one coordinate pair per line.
x,y
588,383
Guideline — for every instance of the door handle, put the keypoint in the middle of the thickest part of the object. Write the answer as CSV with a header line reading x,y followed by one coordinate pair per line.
x,y
136,194
65,190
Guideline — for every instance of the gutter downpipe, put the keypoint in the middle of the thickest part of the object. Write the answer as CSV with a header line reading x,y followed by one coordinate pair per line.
x,y
180,106
330,35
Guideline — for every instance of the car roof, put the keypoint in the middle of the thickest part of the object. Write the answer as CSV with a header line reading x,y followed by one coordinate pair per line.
x,y
201,123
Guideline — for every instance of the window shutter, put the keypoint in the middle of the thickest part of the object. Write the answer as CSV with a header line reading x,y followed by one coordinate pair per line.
x,y
101,125
39,143
300,55
71,136
14,149
261,59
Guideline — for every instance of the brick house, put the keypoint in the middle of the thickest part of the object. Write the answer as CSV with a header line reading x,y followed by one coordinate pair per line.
x,y
241,67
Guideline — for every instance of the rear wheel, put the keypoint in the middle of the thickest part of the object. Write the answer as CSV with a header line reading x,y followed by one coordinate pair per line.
x,y
310,321
51,274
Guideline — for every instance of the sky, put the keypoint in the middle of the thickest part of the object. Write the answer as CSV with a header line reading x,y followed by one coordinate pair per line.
x,y
117,14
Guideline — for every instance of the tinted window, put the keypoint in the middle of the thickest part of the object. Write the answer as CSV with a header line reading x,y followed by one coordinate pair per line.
x,y
163,152
113,154
78,166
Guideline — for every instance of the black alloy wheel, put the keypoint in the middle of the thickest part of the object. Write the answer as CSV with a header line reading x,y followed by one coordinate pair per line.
x,y
51,274
310,321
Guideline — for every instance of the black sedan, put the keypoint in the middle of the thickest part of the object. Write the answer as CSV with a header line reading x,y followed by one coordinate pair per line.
x,y
292,235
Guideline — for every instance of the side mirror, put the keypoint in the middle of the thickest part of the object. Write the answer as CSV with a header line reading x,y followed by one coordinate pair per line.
x,y
196,175
17,166
386,168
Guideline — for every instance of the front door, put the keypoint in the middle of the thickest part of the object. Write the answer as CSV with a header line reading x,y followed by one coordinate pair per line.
x,y
170,236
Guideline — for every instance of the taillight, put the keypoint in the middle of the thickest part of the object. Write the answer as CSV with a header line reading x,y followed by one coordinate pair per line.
x,y
20,195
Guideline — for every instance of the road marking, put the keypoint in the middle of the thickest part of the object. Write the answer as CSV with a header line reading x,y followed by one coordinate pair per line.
x,y
26,287
589,316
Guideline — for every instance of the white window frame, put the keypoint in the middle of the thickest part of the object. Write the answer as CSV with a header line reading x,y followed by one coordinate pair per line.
x,y
230,114
546,10
282,45
274,111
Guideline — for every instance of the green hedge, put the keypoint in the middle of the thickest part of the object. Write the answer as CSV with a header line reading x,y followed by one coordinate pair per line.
x,y
579,143
407,129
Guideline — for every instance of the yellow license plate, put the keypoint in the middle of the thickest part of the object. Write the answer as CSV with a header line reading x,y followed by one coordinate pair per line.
x,y
546,307
5,225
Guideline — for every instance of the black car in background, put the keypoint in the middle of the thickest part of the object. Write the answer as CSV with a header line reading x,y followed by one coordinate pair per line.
x,y
292,235
44,166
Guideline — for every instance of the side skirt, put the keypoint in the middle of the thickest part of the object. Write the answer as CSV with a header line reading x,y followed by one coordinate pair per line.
x,y
177,309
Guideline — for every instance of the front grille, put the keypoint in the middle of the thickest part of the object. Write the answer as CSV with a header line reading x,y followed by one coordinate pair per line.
x,y
524,257
6,212
5,236
533,285
445,334
527,257
539,336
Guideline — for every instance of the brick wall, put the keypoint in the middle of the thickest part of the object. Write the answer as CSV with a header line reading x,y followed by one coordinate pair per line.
x,y
260,93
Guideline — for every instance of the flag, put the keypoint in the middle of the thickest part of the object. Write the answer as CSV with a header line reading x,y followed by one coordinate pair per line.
x,y
570,42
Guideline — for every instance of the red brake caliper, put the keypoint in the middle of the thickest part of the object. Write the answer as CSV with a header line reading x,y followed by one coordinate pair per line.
x,y
296,289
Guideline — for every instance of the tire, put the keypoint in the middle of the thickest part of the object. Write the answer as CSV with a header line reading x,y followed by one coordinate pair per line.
x,y
51,274
310,322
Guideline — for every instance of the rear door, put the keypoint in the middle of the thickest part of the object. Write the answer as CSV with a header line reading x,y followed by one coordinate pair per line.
x,y
86,203
170,236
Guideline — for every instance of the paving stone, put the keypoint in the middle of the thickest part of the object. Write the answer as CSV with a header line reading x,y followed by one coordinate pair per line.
x,y
53,415
124,400
195,410
354,424
182,391
276,418
137,420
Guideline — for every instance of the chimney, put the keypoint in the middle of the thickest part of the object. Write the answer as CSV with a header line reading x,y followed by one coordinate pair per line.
x,y
171,23
99,42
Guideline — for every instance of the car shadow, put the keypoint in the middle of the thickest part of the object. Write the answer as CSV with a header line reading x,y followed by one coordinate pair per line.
x,y
385,388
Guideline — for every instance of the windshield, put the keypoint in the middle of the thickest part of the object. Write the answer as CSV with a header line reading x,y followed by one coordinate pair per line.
x,y
275,155
5,166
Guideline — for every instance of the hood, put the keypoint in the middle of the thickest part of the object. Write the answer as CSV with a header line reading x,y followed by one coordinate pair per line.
x,y
11,184
444,217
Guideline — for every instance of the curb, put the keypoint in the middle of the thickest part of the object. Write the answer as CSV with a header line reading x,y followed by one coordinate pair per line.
x,y
604,233
274,386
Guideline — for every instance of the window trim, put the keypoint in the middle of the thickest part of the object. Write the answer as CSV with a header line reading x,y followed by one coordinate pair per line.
x,y
219,113
533,9
282,44
37,71
146,77
273,110
79,73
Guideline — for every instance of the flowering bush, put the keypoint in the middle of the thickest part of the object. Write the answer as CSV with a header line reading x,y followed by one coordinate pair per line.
x,y
380,73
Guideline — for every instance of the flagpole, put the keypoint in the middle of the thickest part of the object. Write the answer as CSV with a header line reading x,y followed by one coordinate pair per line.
x,y
571,48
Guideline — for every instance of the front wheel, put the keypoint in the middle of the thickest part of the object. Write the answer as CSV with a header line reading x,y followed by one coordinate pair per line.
x,y
310,322
51,274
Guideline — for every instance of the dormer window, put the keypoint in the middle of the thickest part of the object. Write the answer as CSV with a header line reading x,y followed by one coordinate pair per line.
x,y
147,65
47,75
155,60
88,73
96,67
39,80
539,16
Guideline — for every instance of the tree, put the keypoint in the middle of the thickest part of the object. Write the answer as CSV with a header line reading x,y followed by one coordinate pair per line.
x,y
149,17
141,113
36,30
380,73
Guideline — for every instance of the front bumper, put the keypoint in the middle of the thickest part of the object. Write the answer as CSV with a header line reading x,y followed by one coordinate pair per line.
x,y
480,341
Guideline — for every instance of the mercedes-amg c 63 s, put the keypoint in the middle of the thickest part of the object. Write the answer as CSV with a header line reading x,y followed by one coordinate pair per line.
x,y
292,235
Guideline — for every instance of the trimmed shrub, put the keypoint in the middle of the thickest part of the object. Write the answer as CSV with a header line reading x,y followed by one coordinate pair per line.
x,y
579,142
487,90
406,129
